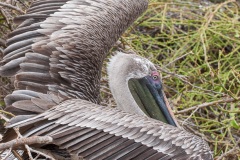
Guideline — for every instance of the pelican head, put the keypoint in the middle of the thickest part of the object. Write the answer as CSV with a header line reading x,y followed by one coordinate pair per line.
x,y
137,87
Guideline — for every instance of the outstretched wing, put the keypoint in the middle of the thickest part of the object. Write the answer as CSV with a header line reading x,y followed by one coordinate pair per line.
x,y
56,54
60,46
95,132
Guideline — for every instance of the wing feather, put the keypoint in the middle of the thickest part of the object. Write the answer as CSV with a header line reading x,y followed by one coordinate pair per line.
x,y
59,47
55,54
124,137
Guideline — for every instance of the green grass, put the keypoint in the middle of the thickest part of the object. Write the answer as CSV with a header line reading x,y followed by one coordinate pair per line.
x,y
197,49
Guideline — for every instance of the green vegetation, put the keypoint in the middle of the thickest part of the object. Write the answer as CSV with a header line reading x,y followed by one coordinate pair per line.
x,y
197,49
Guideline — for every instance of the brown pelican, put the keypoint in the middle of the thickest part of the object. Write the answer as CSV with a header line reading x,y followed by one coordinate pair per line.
x,y
56,55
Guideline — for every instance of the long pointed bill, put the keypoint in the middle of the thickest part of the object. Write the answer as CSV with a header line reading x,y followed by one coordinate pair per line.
x,y
150,97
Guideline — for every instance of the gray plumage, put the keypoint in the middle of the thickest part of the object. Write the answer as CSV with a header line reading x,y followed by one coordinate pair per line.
x,y
55,55
81,125
67,44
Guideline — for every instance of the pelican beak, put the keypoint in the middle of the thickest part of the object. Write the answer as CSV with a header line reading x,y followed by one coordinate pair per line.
x,y
150,97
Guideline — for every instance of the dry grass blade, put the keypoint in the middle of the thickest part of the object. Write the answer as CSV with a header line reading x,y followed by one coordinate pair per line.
x,y
11,7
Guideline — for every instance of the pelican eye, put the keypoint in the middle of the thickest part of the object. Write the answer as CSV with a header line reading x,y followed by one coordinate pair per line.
x,y
154,77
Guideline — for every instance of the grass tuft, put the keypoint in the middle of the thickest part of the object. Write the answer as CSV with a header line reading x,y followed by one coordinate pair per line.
x,y
197,47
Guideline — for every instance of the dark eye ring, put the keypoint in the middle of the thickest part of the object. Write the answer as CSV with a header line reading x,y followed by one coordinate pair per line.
x,y
155,77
